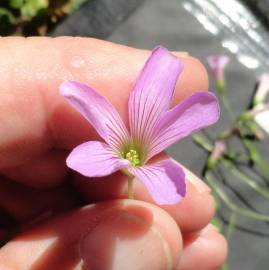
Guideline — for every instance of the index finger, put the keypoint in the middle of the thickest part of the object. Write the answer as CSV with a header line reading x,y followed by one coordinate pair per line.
x,y
35,119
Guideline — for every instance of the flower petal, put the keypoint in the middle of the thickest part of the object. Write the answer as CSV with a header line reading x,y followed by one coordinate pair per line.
x,y
217,61
153,92
97,110
262,89
262,118
195,112
95,159
165,180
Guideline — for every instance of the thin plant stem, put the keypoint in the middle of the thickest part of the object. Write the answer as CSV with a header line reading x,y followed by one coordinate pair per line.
x,y
247,180
201,141
256,157
130,187
224,266
230,205
227,106
255,111
231,226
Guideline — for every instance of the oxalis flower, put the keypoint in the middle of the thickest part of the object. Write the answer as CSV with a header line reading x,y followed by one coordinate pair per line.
x,y
153,126
217,64
261,111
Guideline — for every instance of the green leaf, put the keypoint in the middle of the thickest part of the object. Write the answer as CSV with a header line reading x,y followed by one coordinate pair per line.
x,y
16,3
7,22
32,7
6,14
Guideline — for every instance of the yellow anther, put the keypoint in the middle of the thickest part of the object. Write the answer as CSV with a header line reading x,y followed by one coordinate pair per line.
x,y
133,157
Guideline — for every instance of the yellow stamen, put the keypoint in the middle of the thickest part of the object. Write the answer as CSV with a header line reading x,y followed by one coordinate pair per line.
x,y
133,157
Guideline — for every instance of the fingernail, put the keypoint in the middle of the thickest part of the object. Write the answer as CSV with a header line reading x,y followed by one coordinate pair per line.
x,y
123,241
200,185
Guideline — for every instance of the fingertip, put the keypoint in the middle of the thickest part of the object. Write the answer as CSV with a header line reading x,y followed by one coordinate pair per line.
x,y
191,214
148,238
120,234
205,250
199,72
193,78
194,212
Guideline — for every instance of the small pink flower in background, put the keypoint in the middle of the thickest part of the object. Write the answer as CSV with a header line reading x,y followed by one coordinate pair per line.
x,y
262,89
217,64
153,127
218,150
259,102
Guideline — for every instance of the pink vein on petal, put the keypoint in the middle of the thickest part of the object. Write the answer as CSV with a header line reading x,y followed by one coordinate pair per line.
x,y
153,92
165,180
97,110
195,112
153,127
95,159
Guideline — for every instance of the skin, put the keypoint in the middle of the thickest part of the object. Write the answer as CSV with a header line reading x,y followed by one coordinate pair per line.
x,y
47,202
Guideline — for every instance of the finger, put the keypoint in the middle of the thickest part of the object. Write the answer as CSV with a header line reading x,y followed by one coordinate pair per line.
x,y
24,203
34,118
191,214
116,235
3,236
204,251
43,172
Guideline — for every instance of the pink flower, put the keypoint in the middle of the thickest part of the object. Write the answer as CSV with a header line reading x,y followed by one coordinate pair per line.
x,y
218,150
153,127
262,89
259,102
217,64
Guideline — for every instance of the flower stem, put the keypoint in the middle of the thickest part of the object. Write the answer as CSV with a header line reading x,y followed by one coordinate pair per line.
x,y
232,221
224,266
256,157
261,190
202,142
130,187
227,106
233,207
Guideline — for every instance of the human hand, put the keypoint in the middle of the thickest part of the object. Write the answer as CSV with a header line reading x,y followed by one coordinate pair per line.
x,y
37,131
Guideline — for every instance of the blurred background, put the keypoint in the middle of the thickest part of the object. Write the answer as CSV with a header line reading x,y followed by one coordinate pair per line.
x,y
238,29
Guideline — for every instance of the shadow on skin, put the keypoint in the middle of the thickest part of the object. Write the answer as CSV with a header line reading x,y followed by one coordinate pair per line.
x,y
66,247
25,204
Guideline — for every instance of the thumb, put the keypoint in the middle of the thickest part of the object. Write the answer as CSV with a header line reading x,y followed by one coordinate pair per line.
x,y
120,234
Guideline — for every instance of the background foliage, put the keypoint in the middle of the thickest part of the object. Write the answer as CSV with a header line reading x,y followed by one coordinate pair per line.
x,y
33,17
236,167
